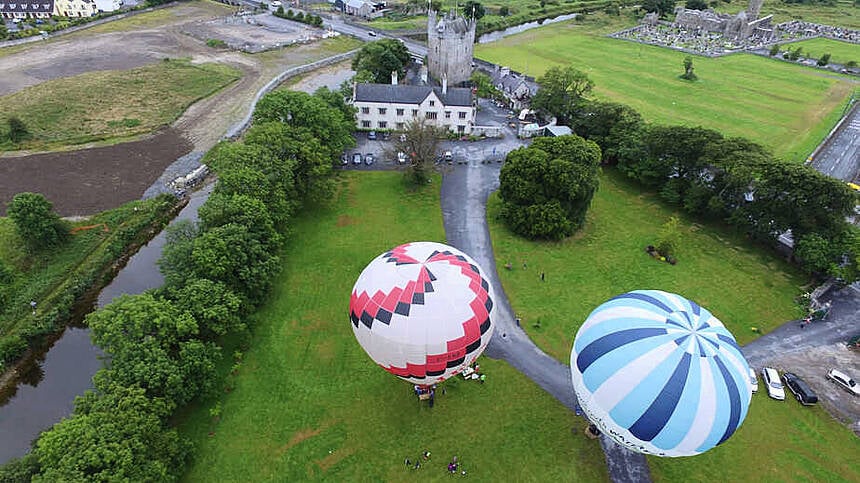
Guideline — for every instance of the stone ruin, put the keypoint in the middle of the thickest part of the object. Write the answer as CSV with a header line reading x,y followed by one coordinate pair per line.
x,y
738,28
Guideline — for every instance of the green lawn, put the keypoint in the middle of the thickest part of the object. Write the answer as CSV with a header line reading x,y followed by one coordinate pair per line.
x,y
841,52
786,107
843,13
778,441
741,285
308,404
110,104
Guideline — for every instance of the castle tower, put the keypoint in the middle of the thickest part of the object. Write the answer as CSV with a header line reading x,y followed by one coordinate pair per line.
x,y
450,41
753,9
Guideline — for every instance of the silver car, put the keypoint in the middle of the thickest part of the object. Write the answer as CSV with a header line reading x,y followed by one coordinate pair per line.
x,y
771,380
843,380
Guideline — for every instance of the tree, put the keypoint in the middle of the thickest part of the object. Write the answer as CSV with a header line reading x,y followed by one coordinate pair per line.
x,y
175,262
4,32
546,188
153,344
562,89
662,7
307,157
225,208
115,436
299,109
37,225
608,124
280,11
473,9
696,5
688,69
381,58
504,11
774,50
420,142
17,130
824,60
216,308
670,234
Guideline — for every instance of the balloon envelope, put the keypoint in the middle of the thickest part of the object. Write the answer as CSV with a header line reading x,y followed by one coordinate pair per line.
x,y
659,374
423,311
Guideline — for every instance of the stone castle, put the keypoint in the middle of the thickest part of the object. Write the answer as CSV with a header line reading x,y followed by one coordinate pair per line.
x,y
450,42
740,27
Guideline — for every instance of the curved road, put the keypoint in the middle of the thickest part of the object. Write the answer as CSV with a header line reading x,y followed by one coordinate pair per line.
x,y
464,198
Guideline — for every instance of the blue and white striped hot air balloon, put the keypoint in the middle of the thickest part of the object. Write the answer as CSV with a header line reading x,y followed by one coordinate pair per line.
x,y
659,374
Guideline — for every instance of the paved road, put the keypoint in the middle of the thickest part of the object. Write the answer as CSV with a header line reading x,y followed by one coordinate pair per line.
x,y
840,156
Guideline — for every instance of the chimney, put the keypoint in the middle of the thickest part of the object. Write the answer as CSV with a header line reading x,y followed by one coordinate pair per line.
x,y
444,84
394,77
354,84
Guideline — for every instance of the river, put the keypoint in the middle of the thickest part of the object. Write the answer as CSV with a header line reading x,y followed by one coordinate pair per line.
x,y
64,369
500,34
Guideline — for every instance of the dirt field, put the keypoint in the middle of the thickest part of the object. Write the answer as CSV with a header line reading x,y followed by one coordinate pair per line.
x,y
93,178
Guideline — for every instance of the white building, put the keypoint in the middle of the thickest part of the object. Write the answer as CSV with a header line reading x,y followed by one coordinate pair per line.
x,y
75,8
26,9
391,106
108,5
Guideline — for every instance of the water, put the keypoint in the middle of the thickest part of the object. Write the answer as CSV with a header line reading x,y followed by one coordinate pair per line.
x,y
49,382
500,34
64,368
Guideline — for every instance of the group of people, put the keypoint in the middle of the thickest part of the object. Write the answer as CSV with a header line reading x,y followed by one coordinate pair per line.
x,y
453,467
426,393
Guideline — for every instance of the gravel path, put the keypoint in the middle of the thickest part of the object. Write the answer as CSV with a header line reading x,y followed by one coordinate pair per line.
x,y
464,197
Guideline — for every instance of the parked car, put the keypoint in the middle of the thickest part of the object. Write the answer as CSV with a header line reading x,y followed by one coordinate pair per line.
x,y
771,380
368,159
843,380
371,33
275,3
753,380
386,135
802,392
356,158
371,135
401,157
448,157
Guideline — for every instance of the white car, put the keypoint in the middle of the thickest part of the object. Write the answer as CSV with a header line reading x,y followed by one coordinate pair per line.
x,y
843,380
753,380
275,3
771,380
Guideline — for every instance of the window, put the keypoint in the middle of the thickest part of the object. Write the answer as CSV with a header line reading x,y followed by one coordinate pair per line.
x,y
432,103
431,114
414,112
365,124
400,112
382,110
461,129
365,110
462,115
383,124
447,114
401,126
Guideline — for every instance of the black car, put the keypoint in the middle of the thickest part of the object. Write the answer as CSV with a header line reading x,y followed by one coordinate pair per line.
x,y
802,392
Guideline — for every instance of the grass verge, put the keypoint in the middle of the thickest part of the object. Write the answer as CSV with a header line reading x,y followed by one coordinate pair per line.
x,y
57,280
740,285
738,95
308,404
841,52
109,104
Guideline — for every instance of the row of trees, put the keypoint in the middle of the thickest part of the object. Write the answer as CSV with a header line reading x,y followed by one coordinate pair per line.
x,y
712,176
162,346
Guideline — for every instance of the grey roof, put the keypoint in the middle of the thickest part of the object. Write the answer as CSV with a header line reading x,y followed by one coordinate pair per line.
x,y
27,6
559,130
400,94
358,3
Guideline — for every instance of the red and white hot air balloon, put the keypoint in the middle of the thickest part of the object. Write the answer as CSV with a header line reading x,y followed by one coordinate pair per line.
x,y
423,311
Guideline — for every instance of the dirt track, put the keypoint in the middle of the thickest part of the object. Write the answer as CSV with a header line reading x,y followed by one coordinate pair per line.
x,y
91,179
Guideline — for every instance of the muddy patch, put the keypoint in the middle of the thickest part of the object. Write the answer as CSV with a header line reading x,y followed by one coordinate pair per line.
x,y
88,181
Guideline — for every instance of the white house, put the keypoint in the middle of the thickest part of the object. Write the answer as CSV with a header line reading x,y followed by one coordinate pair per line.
x,y
359,8
26,8
75,8
108,5
391,106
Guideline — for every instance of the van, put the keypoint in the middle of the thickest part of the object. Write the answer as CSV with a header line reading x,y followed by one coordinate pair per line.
x,y
448,157
802,392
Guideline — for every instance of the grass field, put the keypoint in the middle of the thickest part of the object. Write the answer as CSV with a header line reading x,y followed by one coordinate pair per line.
x,y
742,286
308,404
844,13
110,104
786,107
779,441
841,52
160,17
